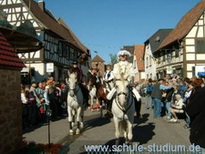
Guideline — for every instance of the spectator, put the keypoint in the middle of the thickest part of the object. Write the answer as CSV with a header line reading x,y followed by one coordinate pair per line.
x,y
168,102
33,103
157,97
177,107
195,109
189,92
24,100
149,89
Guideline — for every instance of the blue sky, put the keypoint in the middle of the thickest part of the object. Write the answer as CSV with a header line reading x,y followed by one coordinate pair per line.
x,y
106,26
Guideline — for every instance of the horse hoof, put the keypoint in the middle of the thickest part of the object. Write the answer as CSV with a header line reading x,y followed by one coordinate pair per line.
x,y
71,133
77,131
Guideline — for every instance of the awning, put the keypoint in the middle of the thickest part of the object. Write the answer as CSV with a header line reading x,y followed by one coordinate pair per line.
x,y
21,42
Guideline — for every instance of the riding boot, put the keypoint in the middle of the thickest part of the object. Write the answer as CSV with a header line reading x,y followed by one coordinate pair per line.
x,y
136,94
111,93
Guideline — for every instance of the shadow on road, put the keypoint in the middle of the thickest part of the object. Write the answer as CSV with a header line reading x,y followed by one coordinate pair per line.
x,y
96,122
143,134
141,120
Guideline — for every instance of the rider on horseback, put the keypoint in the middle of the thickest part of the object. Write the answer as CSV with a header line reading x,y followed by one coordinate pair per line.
x,y
108,78
123,67
78,71
91,83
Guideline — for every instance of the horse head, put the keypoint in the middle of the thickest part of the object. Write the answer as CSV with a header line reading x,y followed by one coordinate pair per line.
x,y
72,83
121,84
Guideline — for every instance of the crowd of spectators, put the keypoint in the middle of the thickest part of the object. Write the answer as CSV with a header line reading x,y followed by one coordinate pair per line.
x,y
170,96
38,97
173,96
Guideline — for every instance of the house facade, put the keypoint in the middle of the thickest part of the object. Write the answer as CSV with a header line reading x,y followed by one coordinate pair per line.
x,y
151,45
183,50
60,45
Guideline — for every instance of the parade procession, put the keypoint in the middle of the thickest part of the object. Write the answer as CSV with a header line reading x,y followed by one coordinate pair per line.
x,y
95,77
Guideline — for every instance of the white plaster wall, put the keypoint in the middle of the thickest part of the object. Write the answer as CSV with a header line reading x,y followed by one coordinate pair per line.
x,y
149,70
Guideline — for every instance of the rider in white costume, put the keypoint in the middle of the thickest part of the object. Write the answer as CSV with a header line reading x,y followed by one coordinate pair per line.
x,y
108,78
123,67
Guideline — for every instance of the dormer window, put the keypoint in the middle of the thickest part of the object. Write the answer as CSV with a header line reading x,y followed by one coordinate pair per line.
x,y
157,39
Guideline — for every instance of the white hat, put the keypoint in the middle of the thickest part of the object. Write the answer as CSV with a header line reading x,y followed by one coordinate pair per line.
x,y
123,53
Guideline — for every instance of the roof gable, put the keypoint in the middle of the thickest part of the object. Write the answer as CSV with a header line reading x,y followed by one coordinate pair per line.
x,y
184,25
157,38
8,56
97,59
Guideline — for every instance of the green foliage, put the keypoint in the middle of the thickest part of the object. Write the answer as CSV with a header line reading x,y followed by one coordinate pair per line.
x,y
113,58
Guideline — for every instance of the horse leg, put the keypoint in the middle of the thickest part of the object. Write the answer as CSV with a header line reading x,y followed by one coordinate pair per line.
x,y
117,130
91,103
97,104
70,120
78,119
129,132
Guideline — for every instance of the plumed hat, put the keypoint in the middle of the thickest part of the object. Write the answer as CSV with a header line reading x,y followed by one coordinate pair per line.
x,y
123,53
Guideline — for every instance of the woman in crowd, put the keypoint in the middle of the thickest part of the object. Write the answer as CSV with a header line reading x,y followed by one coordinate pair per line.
x,y
177,107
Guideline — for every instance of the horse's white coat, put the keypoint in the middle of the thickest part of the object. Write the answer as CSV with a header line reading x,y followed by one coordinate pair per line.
x,y
123,111
74,105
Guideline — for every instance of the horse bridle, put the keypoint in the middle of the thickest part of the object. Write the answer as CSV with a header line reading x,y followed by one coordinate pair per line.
x,y
119,106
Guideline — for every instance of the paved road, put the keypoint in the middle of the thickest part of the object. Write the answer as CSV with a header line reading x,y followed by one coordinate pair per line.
x,y
98,130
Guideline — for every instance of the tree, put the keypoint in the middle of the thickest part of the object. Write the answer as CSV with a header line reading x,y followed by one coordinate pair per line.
x,y
113,58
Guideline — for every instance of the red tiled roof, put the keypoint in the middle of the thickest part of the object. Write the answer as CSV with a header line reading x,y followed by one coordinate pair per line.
x,y
184,25
8,57
139,52
97,59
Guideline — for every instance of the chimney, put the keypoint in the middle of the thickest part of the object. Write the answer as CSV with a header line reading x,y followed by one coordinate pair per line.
x,y
41,4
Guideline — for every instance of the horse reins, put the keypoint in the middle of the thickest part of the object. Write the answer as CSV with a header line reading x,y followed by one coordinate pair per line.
x,y
120,107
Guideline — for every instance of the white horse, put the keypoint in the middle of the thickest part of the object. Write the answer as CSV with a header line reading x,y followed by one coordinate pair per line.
x,y
123,109
74,104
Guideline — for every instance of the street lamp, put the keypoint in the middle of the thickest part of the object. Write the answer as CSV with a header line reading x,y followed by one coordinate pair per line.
x,y
48,114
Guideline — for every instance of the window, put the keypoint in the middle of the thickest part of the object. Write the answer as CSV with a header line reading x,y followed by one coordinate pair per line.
x,y
176,53
72,56
200,45
150,60
147,61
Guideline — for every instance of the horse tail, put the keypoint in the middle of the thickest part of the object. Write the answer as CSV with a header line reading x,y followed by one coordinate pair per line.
x,y
122,126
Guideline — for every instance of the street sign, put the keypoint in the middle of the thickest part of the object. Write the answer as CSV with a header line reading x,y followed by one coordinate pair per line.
x,y
199,69
50,67
169,70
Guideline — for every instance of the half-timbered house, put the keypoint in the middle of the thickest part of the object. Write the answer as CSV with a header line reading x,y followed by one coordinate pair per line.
x,y
60,45
183,50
